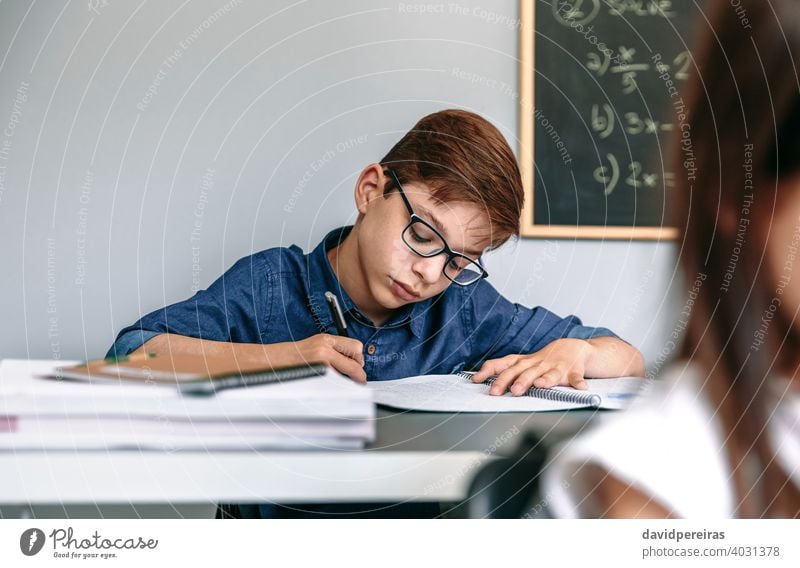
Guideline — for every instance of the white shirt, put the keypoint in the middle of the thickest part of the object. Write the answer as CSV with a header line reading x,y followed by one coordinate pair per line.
x,y
671,447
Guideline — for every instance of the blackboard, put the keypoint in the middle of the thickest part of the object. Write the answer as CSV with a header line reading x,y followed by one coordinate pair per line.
x,y
606,78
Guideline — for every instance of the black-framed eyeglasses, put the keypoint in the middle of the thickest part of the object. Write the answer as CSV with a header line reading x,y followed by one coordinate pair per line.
x,y
426,241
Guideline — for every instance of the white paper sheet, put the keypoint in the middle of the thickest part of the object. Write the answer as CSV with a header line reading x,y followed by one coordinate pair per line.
x,y
452,393
22,392
315,413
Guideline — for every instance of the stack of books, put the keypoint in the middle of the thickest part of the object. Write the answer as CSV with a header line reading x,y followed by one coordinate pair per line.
x,y
171,405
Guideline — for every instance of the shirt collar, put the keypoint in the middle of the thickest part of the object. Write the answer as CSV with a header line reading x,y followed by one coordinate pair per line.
x,y
321,279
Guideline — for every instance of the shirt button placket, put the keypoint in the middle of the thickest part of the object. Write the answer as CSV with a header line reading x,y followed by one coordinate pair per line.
x,y
371,365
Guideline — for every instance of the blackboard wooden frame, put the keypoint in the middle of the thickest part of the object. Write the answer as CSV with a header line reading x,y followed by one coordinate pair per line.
x,y
527,147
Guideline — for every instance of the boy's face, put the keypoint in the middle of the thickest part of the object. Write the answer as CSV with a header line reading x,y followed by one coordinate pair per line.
x,y
393,273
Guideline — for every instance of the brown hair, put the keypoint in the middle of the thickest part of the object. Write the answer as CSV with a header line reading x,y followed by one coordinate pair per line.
x,y
744,116
460,156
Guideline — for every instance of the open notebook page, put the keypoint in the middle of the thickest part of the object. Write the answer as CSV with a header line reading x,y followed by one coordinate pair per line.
x,y
453,393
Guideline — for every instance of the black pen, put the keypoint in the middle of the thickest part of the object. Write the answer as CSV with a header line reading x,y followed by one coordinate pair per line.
x,y
336,312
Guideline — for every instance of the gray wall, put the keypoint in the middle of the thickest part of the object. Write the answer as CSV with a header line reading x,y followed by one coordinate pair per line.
x,y
147,146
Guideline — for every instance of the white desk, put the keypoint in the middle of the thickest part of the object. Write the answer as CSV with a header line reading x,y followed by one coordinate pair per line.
x,y
417,456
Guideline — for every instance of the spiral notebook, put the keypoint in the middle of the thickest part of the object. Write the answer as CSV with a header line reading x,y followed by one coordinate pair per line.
x,y
191,374
457,393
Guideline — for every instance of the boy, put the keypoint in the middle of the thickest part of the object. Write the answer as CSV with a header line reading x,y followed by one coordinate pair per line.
x,y
451,184
408,276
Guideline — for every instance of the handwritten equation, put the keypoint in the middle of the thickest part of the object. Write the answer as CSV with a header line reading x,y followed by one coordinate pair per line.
x,y
623,63
571,12
631,62
610,175
604,119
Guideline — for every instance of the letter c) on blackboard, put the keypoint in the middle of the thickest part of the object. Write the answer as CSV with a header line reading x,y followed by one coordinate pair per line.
x,y
601,175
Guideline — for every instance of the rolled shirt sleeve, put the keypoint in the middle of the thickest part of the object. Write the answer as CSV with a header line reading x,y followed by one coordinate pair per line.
x,y
130,340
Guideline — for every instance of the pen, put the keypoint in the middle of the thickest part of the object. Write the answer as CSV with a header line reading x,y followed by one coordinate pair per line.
x,y
336,312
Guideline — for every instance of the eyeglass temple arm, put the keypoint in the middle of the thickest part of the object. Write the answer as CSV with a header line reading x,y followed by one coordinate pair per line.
x,y
396,183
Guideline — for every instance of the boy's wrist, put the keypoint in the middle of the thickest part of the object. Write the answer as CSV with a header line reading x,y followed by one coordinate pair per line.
x,y
591,352
614,357
273,354
584,347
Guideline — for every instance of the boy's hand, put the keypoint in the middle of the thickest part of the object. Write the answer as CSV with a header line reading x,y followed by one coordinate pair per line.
x,y
562,362
344,354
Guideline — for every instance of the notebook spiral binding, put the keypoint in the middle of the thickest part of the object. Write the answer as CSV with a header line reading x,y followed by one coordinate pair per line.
x,y
277,376
299,372
256,379
577,397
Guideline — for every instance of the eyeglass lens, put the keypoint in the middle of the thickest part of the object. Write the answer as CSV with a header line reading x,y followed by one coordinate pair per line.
x,y
426,242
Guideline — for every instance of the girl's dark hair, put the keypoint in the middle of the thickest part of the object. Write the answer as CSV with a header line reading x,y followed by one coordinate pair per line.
x,y
743,137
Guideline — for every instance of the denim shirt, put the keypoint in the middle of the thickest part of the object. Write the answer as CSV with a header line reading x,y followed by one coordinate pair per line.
x,y
277,295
